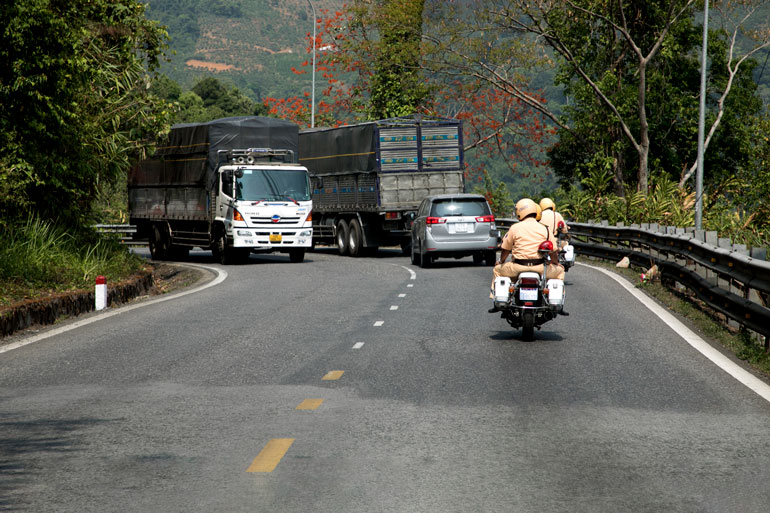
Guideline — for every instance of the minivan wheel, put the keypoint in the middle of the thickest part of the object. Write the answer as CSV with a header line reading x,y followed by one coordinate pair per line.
x,y
415,255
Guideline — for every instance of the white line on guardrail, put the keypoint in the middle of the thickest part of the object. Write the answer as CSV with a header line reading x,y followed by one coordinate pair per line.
x,y
755,384
221,276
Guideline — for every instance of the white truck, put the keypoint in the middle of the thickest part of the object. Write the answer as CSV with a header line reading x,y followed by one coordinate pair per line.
x,y
231,185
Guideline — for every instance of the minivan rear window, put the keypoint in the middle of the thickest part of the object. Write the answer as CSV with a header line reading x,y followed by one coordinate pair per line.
x,y
459,207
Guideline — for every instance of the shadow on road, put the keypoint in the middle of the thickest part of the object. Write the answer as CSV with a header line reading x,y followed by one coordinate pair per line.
x,y
27,445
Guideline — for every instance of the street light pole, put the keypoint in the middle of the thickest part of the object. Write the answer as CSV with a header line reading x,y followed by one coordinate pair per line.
x,y
701,123
312,97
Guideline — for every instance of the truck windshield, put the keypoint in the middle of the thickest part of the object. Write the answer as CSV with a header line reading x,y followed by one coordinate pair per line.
x,y
272,185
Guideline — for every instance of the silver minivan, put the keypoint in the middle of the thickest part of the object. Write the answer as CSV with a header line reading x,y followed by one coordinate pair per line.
x,y
454,226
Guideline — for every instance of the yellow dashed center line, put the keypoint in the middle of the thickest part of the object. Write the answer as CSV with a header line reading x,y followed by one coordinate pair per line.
x,y
310,404
333,375
271,455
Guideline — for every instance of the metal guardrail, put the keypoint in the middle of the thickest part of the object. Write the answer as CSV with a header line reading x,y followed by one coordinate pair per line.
x,y
125,233
728,279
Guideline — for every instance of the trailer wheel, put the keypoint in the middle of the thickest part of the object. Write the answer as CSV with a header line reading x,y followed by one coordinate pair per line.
x,y
159,243
342,237
355,237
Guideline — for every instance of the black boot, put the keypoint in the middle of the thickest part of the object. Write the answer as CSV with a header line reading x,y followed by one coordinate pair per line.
x,y
494,309
562,312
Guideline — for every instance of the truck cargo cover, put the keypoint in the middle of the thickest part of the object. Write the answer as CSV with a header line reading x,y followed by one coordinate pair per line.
x,y
340,150
189,156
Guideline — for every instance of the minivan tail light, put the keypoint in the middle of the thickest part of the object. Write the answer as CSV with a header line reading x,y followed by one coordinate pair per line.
x,y
435,220
485,219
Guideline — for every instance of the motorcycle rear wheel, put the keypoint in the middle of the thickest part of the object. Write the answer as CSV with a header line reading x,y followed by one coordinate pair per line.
x,y
528,326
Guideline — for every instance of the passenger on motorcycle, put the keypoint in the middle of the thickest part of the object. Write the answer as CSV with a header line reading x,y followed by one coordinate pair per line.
x,y
522,243
550,218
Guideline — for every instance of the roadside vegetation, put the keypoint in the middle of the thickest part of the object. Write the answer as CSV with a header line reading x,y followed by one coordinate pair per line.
x,y
38,258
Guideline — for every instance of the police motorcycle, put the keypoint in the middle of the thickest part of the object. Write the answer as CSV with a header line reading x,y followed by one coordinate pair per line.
x,y
533,299
566,253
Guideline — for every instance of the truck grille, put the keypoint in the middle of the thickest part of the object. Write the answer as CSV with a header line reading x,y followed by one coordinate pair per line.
x,y
280,222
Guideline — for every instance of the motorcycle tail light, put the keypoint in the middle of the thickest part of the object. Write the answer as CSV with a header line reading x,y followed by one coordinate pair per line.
x,y
529,281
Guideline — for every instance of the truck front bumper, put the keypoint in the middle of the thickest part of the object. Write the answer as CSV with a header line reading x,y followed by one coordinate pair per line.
x,y
260,239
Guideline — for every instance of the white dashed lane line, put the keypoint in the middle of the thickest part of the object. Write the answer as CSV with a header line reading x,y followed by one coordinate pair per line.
x,y
379,323
358,345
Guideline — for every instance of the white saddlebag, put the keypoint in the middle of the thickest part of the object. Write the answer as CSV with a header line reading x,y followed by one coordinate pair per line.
x,y
555,292
502,289
569,253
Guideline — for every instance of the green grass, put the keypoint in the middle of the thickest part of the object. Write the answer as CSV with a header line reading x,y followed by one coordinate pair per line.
x,y
38,258
701,319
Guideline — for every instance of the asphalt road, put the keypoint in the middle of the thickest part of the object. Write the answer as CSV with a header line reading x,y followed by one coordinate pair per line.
x,y
191,405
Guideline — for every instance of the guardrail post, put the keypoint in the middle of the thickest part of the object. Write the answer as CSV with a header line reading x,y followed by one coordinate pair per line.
x,y
759,253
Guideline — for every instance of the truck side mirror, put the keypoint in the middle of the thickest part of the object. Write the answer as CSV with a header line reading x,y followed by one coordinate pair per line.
x,y
239,173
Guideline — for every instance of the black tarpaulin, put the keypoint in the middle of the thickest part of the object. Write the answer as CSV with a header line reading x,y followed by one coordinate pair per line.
x,y
189,156
339,150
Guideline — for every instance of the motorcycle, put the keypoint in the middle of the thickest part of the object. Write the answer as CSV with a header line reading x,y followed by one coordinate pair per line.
x,y
566,252
532,300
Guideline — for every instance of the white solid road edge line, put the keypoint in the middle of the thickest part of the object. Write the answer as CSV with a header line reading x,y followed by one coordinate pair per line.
x,y
221,276
736,371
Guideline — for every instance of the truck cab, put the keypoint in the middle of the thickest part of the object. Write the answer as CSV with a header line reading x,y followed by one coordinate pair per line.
x,y
262,203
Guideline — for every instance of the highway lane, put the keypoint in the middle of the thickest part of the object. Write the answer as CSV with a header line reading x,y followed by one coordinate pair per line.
x,y
440,407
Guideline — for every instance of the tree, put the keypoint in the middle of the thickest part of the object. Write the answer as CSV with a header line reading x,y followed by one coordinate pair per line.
x,y
74,103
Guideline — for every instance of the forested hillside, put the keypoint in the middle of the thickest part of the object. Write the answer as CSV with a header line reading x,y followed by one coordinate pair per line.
x,y
252,44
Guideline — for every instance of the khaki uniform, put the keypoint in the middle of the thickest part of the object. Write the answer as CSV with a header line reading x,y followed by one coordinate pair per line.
x,y
551,219
523,241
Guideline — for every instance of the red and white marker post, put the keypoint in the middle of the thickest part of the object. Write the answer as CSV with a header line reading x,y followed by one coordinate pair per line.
x,y
101,293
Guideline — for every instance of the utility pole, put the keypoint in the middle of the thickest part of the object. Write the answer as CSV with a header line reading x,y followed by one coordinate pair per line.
x,y
312,94
701,122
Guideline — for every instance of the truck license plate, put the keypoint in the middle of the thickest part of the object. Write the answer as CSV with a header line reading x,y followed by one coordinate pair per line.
x,y
528,294
276,237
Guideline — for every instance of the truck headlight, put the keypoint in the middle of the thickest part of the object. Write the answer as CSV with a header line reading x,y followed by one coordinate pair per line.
x,y
244,233
306,233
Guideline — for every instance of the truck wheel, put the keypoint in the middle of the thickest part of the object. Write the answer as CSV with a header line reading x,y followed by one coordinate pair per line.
x,y
296,256
354,238
342,237
159,243
221,252
415,255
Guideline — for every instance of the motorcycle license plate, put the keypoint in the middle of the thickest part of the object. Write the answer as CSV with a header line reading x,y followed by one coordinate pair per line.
x,y
275,237
528,294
